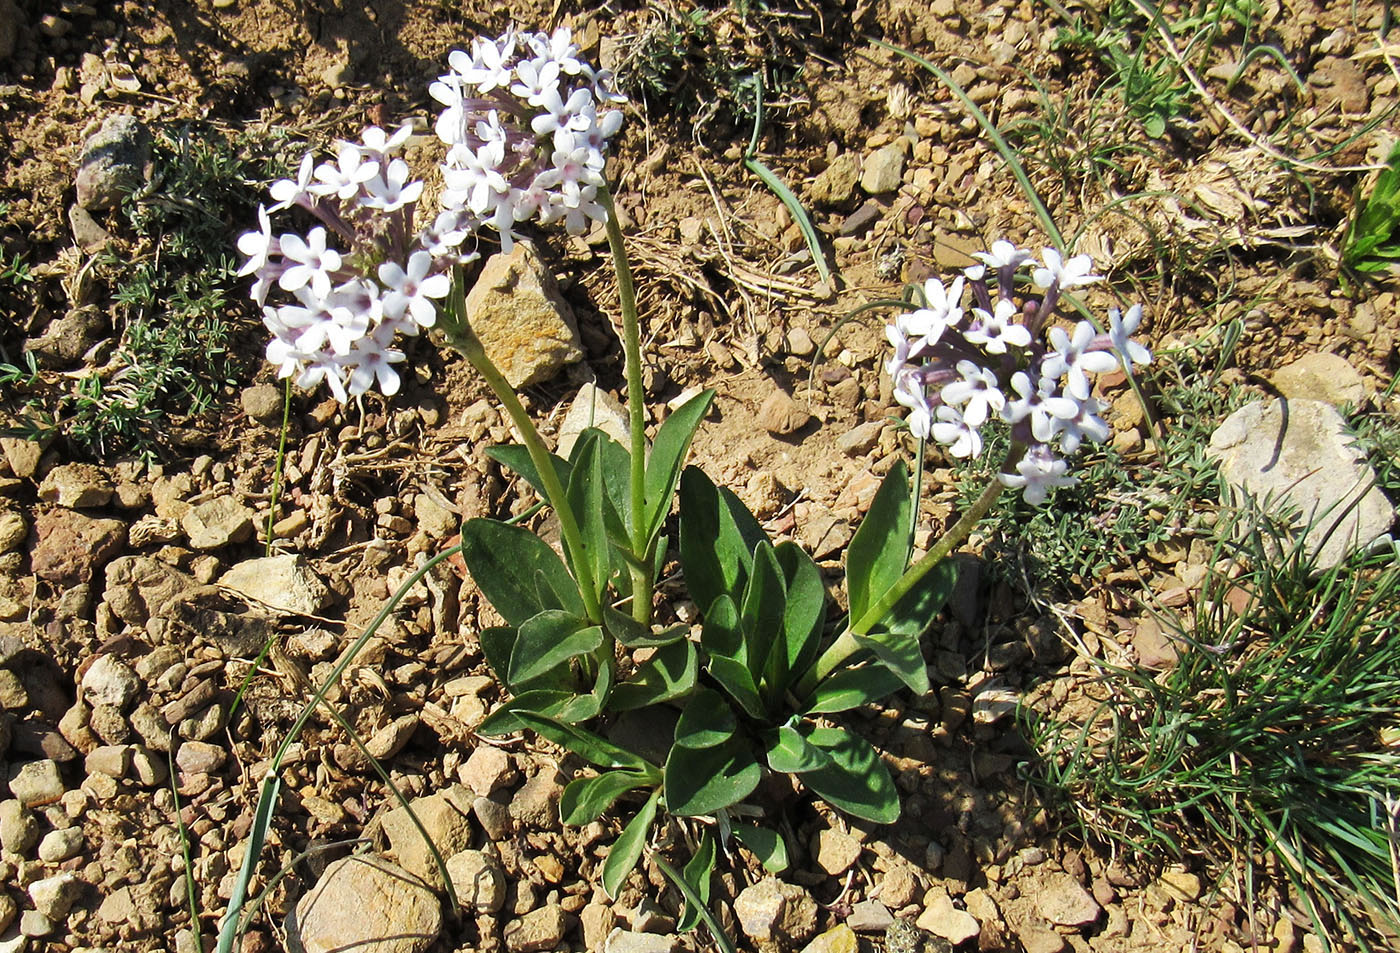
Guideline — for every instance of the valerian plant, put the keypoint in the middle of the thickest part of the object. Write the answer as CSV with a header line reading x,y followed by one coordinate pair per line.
x,y
752,689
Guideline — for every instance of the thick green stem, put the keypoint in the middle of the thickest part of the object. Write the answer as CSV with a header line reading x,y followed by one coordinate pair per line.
x,y
637,524
846,645
459,334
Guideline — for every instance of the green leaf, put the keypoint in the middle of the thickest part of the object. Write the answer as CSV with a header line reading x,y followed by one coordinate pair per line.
x,y
548,640
517,457
705,780
900,654
761,616
855,781
581,708
633,634
706,721
799,214
594,749
496,644
790,753
850,688
505,561
767,845
668,452
895,639
698,873
505,720
586,499
627,849
727,658
671,672
876,556
718,536
805,613
584,799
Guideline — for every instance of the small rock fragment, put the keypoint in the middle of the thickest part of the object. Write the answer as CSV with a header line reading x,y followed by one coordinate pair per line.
x,y
836,851
285,582
37,783
217,523
113,162
449,828
76,486
839,939
57,846
782,415
363,902
883,169
941,918
541,929
478,880
772,911
536,804
1063,901
54,896
19,828
110,681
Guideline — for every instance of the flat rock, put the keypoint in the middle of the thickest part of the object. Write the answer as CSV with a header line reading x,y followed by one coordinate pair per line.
x,y
538,930
836,851
839,939
217,523
54,896
445,821
22,455
71,547
628,941
525,325
782,415
113,162
1063,901
536,804
772,911
478,880
941,918
364,902
140,586
1297,453
870,916
76,485
286,582
36,783
836,184
110,681
1321,376
592,407
883,169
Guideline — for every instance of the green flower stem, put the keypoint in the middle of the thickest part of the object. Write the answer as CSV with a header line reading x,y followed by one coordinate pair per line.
x,y
632,349
846,645
459,334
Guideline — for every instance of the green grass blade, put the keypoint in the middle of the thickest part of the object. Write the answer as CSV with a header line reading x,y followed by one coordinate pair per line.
x,y
257,835
799,215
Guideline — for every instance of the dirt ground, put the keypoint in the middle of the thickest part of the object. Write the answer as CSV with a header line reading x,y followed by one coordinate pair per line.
x,y
1202,226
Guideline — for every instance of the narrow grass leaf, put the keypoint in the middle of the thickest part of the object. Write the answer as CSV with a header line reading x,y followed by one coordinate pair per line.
x,y
627,849
697,875
799,214
230,928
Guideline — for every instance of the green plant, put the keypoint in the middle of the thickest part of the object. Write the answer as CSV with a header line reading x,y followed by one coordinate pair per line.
x,y
1270,742
1371,244
171,292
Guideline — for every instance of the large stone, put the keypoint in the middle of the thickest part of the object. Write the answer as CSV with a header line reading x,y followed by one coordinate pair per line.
x,y
76,485
36,783
772,911
446,823
516,310
883,169
941,918
72,547
217,523
110,681
1063,901
1321,376
1297,454
113,162
592,407
54,896
285,582
478,880
365,903
141,586
538,930
835,184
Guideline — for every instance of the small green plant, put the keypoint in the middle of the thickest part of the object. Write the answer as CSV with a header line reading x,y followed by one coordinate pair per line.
x,y
1371,245
1272,742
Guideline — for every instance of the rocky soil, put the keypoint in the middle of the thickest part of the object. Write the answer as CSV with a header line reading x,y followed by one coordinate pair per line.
x,y
136,594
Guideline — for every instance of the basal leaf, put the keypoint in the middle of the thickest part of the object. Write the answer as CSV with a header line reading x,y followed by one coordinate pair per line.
x,y
504,562
895,639
855,781
899,653
587,500
718,536
585,799
790,753
767,845
594,749
627,849
698,873
496,644
516,457
805,610
670,673
505,720
706,721
849,688
761,616
668,452
876,556
548,640
703,781
633,634
727,657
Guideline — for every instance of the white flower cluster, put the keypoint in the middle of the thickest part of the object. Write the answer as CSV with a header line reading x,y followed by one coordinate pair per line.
x,y
524,132
362,275
957,370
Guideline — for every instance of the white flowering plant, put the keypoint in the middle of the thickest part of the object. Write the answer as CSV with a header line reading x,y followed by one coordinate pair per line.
x,y
753,690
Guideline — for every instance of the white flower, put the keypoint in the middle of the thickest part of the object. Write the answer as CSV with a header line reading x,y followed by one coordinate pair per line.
x,y
379,146
490,63
1085,423
560,113
1064,275
909,391
257,245
978,390
559,48
996,330
373,360
1040,404
1038,472
314,262
953,432
1119,331
392,191
535,77
1003,254
289,192
475,179
344,178
411,289
1072,359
